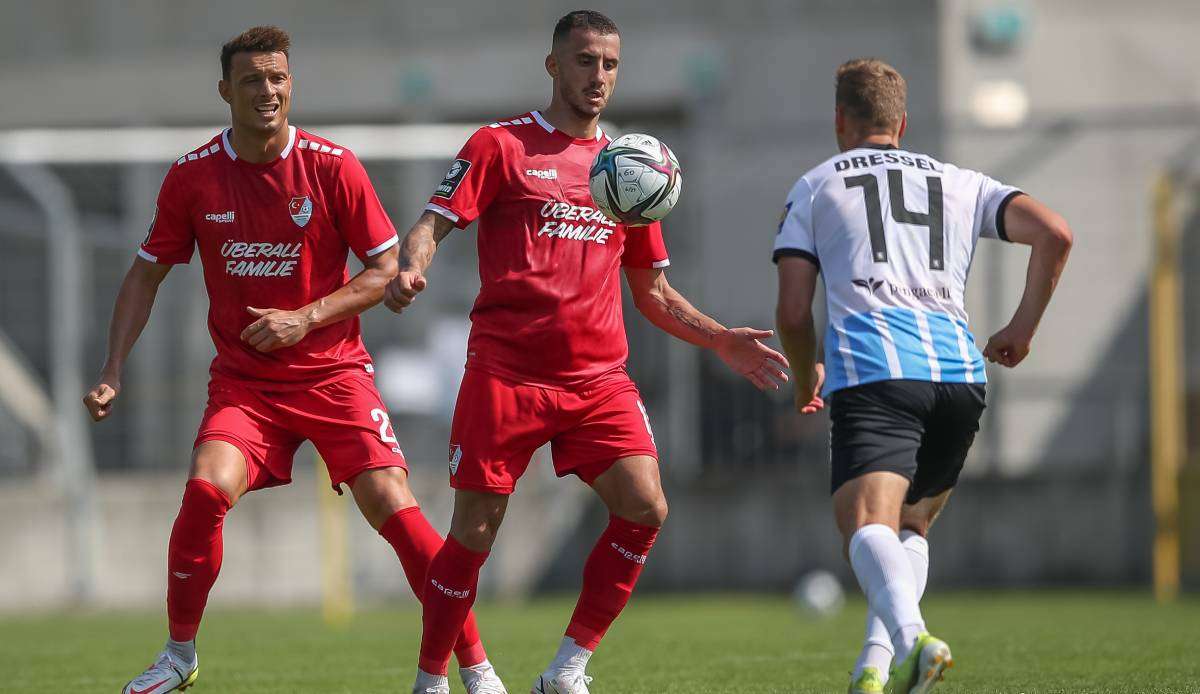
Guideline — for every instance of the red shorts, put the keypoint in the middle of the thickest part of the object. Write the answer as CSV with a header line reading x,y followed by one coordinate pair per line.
x,y
346,421
498,424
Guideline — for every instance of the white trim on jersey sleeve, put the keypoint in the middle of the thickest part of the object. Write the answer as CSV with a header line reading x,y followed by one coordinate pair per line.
x,y
438,209
660,264
146,256
383,246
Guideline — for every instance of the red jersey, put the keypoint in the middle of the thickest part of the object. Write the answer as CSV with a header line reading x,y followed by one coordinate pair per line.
x,y
549,305
272,235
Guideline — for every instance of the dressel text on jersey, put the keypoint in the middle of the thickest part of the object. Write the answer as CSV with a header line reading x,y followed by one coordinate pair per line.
x,y
575,222
866,161
260,259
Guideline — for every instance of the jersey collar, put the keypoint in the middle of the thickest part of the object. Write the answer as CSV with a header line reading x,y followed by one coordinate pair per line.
x,y
282,155
551,129
877,145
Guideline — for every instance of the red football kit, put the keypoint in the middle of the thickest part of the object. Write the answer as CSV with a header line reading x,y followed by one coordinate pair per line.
x,y
546,356
276,235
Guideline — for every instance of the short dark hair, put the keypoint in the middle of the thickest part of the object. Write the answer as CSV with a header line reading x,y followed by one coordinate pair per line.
x,y
262,39
588,20
871,92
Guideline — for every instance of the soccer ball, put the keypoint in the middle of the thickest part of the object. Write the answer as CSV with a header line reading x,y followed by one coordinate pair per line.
x,y
635,180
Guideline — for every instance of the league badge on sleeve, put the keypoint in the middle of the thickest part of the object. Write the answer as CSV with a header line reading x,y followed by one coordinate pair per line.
x,y
454,176
301,209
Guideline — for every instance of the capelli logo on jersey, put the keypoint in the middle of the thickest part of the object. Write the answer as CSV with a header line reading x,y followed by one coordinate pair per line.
x,y
544,174
576,222
219,218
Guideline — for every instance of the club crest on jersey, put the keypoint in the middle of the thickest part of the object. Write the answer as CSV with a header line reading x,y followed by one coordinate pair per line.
x,y
301,209
455,457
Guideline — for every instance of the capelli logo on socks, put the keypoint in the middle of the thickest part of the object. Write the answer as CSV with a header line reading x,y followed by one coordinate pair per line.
x,y
450,592
636,558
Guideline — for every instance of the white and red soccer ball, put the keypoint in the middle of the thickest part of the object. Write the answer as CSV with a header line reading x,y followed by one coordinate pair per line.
x,y
635,180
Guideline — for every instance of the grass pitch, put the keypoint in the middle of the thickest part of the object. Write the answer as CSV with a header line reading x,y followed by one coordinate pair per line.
x,y
1006,642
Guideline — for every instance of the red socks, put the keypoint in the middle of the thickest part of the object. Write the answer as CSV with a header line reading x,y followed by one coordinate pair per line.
x,y
416,543
609,575
194,556
449,592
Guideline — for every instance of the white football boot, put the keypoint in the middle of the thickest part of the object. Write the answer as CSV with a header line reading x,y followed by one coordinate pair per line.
x,y
561,683
165,675
482,679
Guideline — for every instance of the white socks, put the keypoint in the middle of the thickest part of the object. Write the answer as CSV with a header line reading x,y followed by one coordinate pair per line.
x,y
885,574
183,651
877,649
476,671
571,657
427,682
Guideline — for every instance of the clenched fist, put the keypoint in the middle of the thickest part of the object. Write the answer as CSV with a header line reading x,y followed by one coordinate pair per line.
x,y
403,289
1009,346
99,400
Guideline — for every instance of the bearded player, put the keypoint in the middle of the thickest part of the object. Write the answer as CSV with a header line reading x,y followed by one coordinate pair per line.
x,y
547,351
273,210
892,232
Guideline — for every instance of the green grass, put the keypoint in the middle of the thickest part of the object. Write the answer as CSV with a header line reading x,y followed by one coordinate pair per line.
x,y
1006,642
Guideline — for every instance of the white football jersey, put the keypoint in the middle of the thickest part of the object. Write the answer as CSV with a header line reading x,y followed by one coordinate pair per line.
x,y
893,233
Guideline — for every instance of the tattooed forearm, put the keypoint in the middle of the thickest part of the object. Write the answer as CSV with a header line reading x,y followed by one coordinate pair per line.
x,y
680,314
421,242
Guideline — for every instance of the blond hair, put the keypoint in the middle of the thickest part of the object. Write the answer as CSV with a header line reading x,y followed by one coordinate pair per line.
x,y
871,92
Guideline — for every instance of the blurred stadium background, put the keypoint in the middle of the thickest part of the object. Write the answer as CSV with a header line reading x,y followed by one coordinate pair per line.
x,y
1092,105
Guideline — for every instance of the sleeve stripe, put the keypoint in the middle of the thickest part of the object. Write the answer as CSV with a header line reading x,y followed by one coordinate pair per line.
x,y
659,264
438,209
146,256
383,246
1000,213
795,253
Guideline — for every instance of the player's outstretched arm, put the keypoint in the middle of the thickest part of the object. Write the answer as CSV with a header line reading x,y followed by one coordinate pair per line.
x,y
130,313
739,348
1029,222
794,320
416,253
278,328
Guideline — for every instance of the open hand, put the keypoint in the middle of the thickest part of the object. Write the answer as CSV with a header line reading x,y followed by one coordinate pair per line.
x,y
403,289
275,328
741,350
99,400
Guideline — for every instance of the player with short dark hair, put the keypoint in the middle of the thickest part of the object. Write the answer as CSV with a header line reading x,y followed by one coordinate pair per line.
x,y
547,351
273,211
892,233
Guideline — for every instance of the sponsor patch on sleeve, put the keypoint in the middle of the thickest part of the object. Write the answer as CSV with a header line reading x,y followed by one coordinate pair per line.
x,y
454,176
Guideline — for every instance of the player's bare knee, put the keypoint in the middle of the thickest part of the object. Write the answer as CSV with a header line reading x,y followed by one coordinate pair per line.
x,y
477,518
651,512
380,493
220,464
